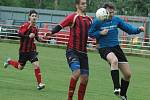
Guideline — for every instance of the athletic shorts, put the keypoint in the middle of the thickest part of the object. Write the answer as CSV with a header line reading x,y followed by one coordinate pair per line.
x,y
116,50
27,56
82,58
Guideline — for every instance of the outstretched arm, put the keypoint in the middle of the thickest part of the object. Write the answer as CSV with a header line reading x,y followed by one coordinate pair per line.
x,y
64,23
130,29
54,30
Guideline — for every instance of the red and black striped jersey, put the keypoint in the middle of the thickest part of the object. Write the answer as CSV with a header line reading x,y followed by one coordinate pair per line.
x,y
79,26
27,44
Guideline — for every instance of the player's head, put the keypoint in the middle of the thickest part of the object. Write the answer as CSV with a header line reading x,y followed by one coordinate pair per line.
x,y
33,15
81,5
110,7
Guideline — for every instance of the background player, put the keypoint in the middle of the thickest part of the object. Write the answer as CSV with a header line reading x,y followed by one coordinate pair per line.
x,y
28,32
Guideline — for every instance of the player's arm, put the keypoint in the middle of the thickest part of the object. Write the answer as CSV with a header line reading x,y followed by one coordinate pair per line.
x,y
39,38
66,22
130,29
56,29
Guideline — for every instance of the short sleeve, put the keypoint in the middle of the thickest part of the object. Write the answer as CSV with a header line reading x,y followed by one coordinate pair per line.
x,y
68,20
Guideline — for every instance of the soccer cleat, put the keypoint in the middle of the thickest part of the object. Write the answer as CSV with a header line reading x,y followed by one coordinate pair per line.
x,y
41,86
6,63
123,97
117,92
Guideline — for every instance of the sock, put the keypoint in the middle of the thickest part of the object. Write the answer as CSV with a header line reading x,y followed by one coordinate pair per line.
x,y
13,63
81,91
124,87
38,75
72,87
115,78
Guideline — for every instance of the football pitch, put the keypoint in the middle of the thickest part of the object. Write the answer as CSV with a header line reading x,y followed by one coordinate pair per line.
x,y
21,85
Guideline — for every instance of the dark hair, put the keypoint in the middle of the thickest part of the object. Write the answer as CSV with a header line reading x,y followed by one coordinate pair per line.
x,y
77,2
31,12
109,5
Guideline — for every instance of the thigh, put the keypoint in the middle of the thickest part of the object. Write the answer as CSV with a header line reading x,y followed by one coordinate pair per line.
x,y
72,57
107,54
84,61
111,57
104,52
84,65
119,54
32,56
22,59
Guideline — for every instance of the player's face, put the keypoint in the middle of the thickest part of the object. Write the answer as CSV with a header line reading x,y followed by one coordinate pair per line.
x,y
82,5
111,12
33,18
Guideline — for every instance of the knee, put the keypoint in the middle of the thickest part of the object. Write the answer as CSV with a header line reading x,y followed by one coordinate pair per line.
x,y
84,76
76,74
115,62
84,79
20,67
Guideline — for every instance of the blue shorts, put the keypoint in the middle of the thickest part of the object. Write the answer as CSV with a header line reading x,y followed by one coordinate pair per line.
x,y
27,56
79,59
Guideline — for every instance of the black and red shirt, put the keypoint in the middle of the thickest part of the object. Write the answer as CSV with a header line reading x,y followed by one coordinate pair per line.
x,y
79,26
27,44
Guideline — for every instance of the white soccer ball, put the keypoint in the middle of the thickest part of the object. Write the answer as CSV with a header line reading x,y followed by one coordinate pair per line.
x,y
102,14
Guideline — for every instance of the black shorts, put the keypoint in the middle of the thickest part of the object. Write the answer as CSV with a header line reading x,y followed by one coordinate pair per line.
x,y
27,56
116,50
82,58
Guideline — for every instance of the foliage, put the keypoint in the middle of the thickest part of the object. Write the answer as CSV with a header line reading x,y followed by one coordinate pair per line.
x,y
123,7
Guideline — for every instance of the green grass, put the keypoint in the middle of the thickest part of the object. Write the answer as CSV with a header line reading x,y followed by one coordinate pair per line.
x,y
21,85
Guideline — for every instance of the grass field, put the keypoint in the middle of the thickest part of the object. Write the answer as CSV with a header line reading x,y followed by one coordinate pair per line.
x,y
21,85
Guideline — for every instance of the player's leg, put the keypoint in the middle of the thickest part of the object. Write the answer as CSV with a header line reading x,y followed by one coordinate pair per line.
x,y
34,60
73,81
112,59
108,55
16,64
38,76
124,67
84,75
74,65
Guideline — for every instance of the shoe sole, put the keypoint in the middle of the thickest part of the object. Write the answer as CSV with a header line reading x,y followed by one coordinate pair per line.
x,y
40,88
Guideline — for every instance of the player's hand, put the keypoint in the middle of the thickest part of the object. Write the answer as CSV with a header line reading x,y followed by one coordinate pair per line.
x,y
48,33
142,29
32,35
41,38
104,32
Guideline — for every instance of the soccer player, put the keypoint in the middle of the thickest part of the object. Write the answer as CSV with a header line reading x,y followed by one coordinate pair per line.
x,y
76,52
106,33
28,32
